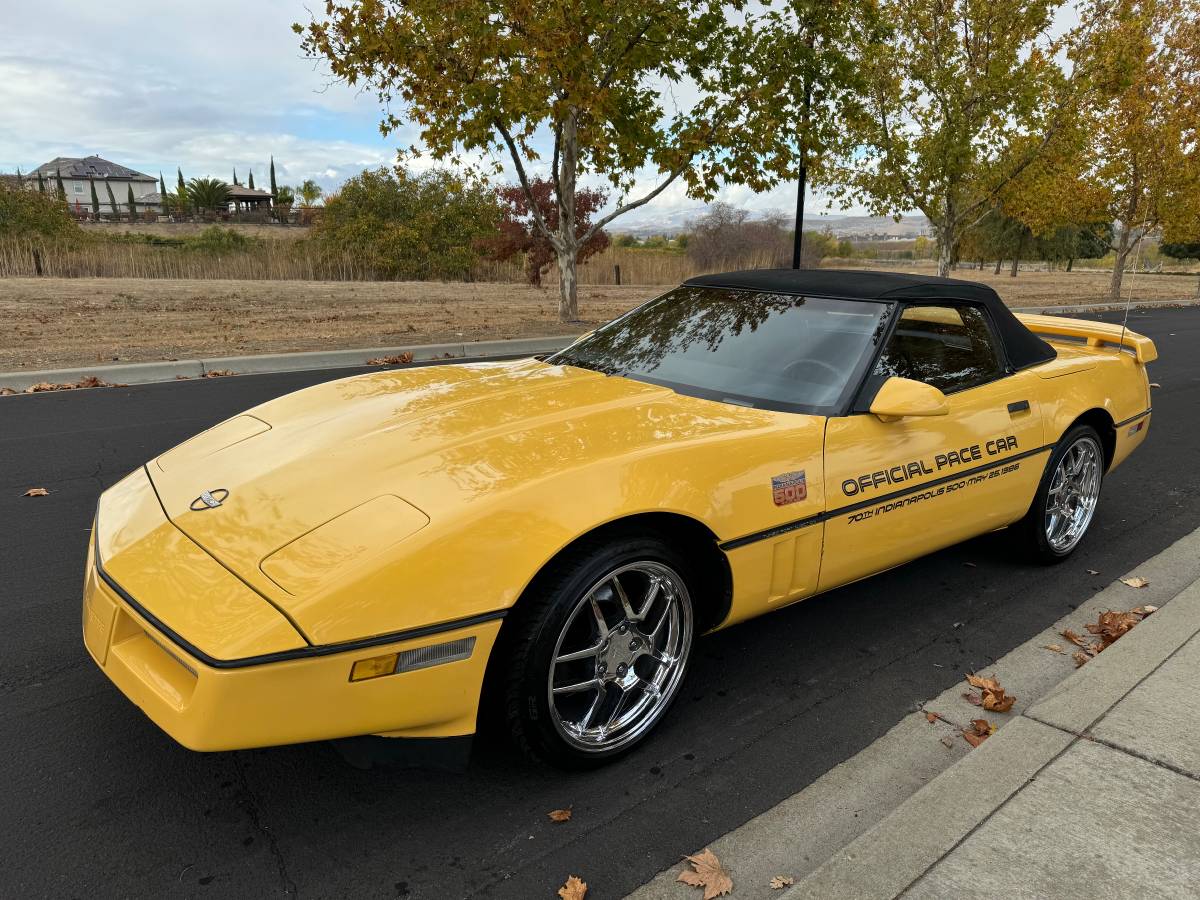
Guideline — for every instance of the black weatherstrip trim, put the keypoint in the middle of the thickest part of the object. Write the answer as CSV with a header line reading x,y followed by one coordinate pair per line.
x,y
883,498
284,655
1140,415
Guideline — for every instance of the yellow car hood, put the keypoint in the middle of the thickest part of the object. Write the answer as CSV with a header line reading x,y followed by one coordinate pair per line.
x,y
382,456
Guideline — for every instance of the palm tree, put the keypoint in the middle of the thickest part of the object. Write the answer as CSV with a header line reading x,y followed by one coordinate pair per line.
x,y
310,192
208,193
284,196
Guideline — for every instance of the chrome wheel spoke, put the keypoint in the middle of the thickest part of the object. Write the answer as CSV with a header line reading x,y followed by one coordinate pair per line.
x,y
585,653
579,686
624,598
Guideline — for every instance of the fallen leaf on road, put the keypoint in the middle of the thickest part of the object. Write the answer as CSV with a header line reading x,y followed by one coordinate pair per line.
x,y
560,815
1155,384
779,882
1135,581
1093,571
36,492
574,889
980,731
1055,648
993,697
88,381
708,874
216,373
6,392
398,360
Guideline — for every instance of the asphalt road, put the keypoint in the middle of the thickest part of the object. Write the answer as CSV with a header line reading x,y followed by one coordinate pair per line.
x,y
96,802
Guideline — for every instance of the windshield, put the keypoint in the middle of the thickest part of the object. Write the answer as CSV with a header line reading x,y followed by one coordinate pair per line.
x,y
771,351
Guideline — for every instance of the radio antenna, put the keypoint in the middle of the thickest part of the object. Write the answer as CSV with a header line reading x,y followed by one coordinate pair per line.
x,y
1137,255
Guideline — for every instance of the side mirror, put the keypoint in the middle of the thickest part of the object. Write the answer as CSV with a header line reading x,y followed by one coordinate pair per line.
x,y
900,397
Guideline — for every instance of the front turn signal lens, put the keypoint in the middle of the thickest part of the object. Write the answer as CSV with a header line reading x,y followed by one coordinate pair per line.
x,y
373,667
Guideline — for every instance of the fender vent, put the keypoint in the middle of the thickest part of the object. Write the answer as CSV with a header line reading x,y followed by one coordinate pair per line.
x,y
435,654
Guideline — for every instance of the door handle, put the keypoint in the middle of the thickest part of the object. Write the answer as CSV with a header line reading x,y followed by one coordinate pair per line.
x,y
1018,406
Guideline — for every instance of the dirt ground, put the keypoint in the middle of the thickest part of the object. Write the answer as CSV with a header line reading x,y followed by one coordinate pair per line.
x,y
58,323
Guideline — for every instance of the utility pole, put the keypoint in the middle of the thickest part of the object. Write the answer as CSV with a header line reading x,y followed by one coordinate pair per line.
x,y
802,187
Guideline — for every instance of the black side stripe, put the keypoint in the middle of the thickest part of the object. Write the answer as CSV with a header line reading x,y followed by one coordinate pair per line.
x,y
883,498
1132,419
284,655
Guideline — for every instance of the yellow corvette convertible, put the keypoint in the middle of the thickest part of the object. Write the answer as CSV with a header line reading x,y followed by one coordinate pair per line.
x,y
372,556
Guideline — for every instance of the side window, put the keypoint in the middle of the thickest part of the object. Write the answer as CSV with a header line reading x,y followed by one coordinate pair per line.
x,y
949,347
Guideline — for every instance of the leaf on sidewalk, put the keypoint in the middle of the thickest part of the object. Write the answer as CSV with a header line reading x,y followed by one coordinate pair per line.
x,y
973,699
574,889
560,815
993,697
36,492
931,717
779,882
1080,658
978,732
1055,648
1135,581
707,873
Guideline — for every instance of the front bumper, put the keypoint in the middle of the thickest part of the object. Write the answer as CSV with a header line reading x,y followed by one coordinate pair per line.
x,y
213,707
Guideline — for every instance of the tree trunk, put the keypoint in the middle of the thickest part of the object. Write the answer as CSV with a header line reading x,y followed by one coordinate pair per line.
x,y
999,263
568,251
1122,254
945,252
1016,264
1070,262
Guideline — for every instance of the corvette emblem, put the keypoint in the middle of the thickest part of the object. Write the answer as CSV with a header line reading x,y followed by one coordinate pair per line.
x,y
210,499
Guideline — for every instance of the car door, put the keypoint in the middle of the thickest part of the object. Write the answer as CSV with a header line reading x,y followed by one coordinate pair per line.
x,y
899,489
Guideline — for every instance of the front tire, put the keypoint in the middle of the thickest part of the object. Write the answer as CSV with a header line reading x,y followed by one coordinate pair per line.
x,y
599,650
1066,498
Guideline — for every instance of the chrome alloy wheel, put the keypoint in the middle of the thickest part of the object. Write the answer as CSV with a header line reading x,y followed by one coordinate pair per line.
x,y
620,656
1073,494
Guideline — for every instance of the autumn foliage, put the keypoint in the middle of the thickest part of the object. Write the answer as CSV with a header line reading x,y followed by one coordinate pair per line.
x,y
519,233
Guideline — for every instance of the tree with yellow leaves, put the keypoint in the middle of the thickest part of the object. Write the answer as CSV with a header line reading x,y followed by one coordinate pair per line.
x,y
1140,162
963,98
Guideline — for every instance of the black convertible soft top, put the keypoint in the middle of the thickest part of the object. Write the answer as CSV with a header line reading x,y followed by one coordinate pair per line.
x,y
1024,348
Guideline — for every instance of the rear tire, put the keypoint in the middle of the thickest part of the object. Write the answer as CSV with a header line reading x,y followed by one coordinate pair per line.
x,y
1066,499
598,650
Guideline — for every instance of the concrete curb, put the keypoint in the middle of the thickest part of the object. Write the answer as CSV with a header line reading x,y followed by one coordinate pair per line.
x,y
144,373
888,858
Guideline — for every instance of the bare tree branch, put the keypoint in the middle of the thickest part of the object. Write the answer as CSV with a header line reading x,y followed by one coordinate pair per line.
x,y
554,240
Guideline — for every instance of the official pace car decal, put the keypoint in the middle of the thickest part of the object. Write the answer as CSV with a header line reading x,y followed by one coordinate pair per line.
x,y
790,487
898,475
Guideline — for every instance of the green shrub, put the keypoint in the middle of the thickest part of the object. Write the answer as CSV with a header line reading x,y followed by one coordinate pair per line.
x,y
32,214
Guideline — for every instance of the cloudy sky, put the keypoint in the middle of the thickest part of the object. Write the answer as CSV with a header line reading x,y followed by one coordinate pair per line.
x,y
208,86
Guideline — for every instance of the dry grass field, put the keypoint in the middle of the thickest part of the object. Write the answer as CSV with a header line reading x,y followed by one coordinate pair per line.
x,y
67,322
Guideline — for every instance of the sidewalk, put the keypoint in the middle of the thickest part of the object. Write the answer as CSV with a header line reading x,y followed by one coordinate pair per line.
x,y
1089,788
1094,791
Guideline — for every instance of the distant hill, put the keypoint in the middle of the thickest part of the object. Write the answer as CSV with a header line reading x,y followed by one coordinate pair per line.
x,y
672,223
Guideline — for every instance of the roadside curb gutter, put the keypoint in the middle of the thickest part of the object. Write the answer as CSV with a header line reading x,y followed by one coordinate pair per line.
x,y
145,373
890,820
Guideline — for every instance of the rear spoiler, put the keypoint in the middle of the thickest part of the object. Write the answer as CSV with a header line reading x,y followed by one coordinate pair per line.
x,y
1096,334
